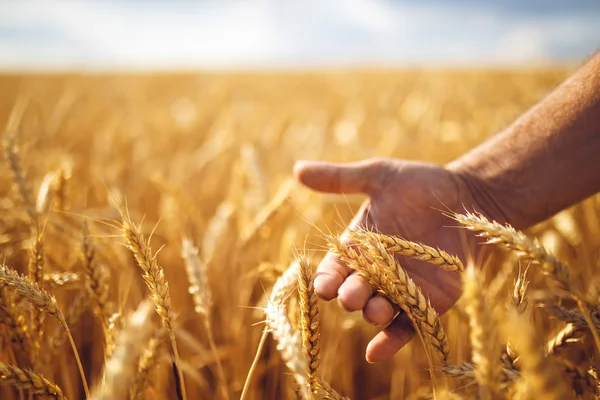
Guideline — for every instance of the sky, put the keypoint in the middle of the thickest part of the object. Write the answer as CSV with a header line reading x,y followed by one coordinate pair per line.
x,y
131,34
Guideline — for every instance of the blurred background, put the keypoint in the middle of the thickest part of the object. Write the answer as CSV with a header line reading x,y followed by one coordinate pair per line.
x,y
195,113
108,35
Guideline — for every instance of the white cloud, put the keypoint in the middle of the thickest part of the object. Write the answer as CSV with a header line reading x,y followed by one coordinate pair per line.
x,y
109,34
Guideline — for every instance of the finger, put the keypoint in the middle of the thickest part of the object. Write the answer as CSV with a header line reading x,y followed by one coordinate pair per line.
x,y
378,311
354,293
357,177
387,342
330,275
332,272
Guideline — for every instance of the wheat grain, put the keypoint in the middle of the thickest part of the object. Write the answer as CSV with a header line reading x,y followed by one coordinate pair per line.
x,y
55,280
564,336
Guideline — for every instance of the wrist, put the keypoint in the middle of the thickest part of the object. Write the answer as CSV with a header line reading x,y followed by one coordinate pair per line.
x,y
486,198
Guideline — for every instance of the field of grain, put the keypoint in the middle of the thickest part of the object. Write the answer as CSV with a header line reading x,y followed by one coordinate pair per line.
x,y
94,166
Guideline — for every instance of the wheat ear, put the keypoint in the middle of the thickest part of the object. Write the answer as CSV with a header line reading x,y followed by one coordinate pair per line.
x,y
13,318
154,277
288,344
268,212
383,272
43,301
416,250
201,294
36,274
540,377
148,362
30,381
309,320
482,333
279,293
122,365
11,152
96,285
326,392
527,249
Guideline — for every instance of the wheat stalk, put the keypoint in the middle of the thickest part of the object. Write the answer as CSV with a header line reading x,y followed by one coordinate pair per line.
x,y
159,288
309,320
416,250
30,381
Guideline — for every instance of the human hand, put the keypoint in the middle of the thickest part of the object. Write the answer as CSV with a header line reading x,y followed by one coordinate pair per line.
x,y
404,200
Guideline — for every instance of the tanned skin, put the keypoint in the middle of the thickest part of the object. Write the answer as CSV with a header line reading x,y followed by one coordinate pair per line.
x,y
547,160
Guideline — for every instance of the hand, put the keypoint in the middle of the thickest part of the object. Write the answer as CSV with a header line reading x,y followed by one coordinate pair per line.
x,y
405,199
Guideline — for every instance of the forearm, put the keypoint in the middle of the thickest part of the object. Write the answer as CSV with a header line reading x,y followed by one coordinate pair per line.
x,y
547,160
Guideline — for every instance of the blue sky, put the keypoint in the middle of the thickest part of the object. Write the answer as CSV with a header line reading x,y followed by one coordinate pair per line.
x,y
294,34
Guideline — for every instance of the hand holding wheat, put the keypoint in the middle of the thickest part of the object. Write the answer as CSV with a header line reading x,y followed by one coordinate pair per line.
x,y
404,198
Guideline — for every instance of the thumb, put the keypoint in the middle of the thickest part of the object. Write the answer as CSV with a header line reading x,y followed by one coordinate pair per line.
x,y
358,177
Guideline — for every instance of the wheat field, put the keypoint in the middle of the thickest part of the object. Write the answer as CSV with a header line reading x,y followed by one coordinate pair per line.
x,y
115,187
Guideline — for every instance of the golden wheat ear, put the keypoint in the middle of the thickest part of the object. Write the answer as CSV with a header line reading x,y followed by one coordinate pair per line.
x,y
43,301
382,271
309,320
154,277
29,381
